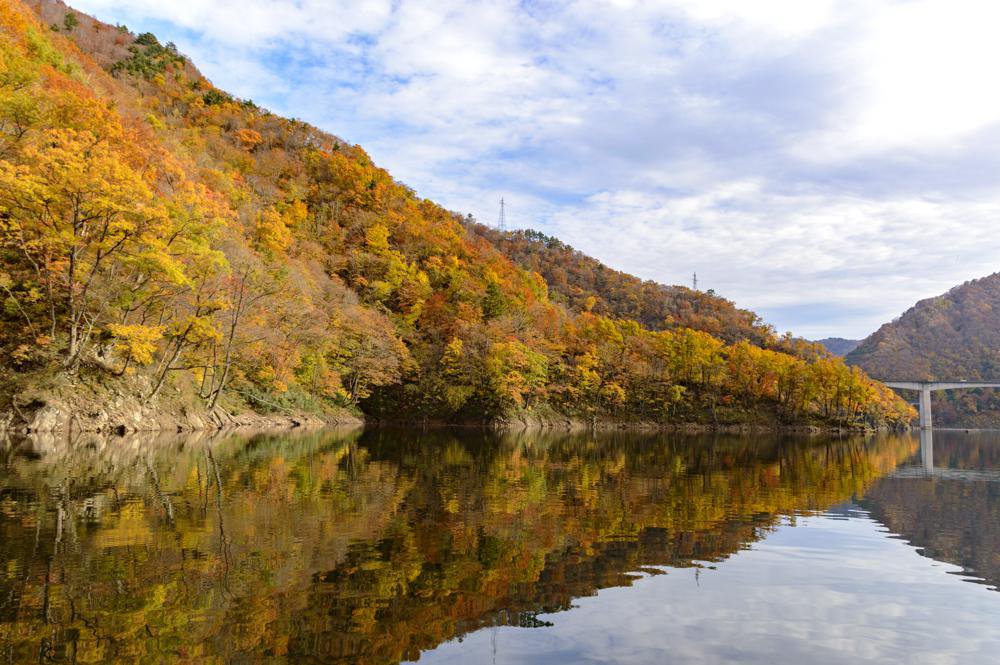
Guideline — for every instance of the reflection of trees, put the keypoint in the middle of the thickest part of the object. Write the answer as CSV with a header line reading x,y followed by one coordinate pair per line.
x,y
948,518
328,547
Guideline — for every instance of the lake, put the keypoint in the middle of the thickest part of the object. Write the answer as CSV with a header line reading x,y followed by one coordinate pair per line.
x,y
452,546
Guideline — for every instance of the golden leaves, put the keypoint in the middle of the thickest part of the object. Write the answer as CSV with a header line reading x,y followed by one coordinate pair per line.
x,y
136,342
248,138
272,234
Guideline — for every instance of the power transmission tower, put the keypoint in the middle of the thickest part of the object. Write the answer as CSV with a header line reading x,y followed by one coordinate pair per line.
x,y
694,282
502,220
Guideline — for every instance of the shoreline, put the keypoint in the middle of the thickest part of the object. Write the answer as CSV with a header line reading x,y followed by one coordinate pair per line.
x,y
570,424
81,406
51,420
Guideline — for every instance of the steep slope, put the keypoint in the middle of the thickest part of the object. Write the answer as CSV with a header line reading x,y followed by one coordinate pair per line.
x,y
839,346
953,336
164,242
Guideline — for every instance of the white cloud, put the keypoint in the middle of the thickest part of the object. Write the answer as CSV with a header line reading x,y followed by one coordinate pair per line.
x,y
917,73
827,163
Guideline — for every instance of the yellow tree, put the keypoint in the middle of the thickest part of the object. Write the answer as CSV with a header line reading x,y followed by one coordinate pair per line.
x,y
79,214
697,357
88,217
515,373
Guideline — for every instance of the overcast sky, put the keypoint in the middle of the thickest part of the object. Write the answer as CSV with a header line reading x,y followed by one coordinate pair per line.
x,y
826,164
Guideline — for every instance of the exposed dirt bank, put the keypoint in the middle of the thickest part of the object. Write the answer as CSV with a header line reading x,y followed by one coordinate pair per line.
x,y
79,404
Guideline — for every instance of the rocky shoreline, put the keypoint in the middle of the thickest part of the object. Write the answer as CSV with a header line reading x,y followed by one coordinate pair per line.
x,y
51,419
132,417
79,405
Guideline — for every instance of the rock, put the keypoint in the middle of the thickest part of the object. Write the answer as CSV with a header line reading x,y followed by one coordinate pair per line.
x,y
77,406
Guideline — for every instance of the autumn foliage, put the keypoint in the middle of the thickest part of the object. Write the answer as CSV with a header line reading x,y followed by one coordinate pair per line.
x,y
152,225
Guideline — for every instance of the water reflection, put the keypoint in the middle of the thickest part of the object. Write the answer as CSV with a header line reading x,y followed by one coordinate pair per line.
x,y
375,547
927,449
949,505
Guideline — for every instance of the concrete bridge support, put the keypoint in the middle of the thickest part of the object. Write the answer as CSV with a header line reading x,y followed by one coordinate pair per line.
x,y
926,417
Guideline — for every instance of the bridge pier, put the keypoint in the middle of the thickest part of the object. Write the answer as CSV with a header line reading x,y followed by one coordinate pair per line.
x,y
926,417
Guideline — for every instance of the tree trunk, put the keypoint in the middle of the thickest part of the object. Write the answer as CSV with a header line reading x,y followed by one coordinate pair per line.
x,y
71,306
166,369
228,359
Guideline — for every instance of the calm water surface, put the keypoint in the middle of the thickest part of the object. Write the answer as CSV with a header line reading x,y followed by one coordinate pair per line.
x,y
454,547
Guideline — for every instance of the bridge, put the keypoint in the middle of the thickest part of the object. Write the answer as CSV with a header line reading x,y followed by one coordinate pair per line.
x,y
925,388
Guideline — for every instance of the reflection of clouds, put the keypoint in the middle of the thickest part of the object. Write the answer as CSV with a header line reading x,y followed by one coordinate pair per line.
x,y
827,591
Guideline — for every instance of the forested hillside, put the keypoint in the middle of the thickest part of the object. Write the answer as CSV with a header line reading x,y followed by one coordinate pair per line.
x,y
955,336
162,238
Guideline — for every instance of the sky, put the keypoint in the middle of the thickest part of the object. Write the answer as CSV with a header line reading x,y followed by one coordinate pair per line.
x,y
826,164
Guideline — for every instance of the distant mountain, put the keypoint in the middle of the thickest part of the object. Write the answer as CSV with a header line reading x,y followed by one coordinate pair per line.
x,y
839,346
952,336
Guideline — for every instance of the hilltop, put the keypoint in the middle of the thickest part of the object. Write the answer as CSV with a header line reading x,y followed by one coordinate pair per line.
x,y
952,336
174,256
